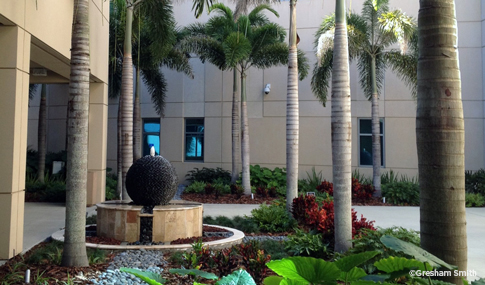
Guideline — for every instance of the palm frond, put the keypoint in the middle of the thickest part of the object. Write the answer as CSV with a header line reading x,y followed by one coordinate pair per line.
x,y
270,55
237,48
266,35
32,90
326,28
364,66
242,6
303,65
222,10
322,74
198,6
399,25
157,88
178,60
206,48
258,10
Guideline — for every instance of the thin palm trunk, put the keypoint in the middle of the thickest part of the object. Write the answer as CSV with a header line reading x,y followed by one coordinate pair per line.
x,y
440,136
127,106
74,253
119,155
235,131
137,120
244,136
341,132
376,132
41,134
292,114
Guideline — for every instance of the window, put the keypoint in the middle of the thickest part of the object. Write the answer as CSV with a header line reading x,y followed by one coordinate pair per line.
x,y
194,139
365,141
151,135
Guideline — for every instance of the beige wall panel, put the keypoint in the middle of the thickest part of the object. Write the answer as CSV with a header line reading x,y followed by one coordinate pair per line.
x,y
213,109
395,88
471,73
402,109
13,10
400,143
213,83
314,109
212,140
56,135
56,34
227,86
474,156
194,88
192,110
274,109
11,40
226,144
175,86
473,109
172,139
469,39
99,45
12,211
315,141
173,110
227,109
304,86
255,85
255,110
267,140
274,77
148,111
468,11
361,109
97,136
307,36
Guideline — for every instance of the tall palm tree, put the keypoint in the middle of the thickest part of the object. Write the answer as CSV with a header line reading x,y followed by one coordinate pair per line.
x,y
370,37
440,136
251,41
41,134
74,253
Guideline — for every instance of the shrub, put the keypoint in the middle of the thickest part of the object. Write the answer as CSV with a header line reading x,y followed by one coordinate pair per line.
x,y
273,218
237,190
312,181
474,200
209,175
245,224
307,244
361,192
475,181
221,189
276,249
209,189
325,187
111,187
55,192
254,260
401,193
263,176
392,177
195,187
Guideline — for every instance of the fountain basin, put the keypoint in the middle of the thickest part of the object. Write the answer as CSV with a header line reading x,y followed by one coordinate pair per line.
x,y
121,221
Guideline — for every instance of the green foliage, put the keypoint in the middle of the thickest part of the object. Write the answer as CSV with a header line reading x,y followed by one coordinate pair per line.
x,y
195,187
361,177
307,244
263,176
92,220
55,192
194,272
96,255
147,276
475,181
474,200
401,193
245,224
50,253
311,182
33,163
305,269
392,177
209,175
239,277
111,186
276,249
273,218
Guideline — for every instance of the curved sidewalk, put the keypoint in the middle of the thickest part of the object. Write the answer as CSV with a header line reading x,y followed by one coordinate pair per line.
x,y
43,219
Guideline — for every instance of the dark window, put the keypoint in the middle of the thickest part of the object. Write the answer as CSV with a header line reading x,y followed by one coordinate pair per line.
x,y
151,135
365,141
194,139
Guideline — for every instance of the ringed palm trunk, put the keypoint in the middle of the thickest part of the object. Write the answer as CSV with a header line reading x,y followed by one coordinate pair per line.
x,y
119,155
127,106
376,132
440,136
74,253
292,115
235,131
246,182
137,120
341,132
41,134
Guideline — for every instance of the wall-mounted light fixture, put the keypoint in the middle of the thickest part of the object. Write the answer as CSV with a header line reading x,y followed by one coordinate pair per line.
x,y
267,89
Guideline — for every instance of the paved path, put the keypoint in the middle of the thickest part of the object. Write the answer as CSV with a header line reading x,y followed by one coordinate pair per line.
x,y
43,219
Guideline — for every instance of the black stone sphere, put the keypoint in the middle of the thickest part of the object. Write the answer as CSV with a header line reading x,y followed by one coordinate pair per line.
x,y
151,181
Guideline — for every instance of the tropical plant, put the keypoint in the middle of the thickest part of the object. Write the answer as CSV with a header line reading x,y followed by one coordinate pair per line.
x,y
307,244
250,41
474,200
401,193
209,175
475,181
74,253
273,218
440,136
370,37
263,176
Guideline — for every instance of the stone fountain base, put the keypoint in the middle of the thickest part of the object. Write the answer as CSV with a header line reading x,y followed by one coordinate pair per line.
x,y
125,222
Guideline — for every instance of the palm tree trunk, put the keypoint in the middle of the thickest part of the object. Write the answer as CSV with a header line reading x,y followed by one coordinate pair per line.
x,y
119,155
41,135
127,106
376,132
137,120
440,136
235,131
74,253
341,132
246,181
292,115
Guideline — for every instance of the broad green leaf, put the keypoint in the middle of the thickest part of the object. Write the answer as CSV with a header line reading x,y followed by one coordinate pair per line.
x,y
347,263
415,251
292,282
480,281
197,283
393,264
352,275
272,280
239,277
305,269
195,272
366,282
147,276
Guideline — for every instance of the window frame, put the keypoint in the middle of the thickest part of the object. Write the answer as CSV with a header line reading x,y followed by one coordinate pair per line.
x,y
144,133
194,134
383,141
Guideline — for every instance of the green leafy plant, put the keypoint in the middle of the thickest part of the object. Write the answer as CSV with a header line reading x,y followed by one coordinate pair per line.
x,y
475,181
276,249
245,224
50,253
209,175
254,259
92,220
147,276
401,193
199,257
96,255
111,186
307,244
263,176
474,200
236,190
273,218
195,187
361,177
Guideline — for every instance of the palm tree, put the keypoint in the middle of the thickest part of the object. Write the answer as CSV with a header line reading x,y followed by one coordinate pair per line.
x,y
370,36
440,136
74,253
251,41
41,134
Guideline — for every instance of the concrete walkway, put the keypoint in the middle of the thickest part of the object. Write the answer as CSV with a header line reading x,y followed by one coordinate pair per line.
x,y
43,219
